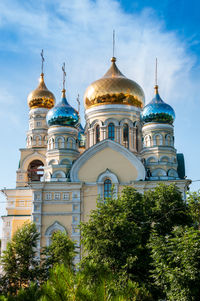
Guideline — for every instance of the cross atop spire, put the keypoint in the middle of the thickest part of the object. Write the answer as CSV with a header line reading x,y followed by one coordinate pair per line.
x,y
156,72
64,75
156,77
113,43
42,65
78,101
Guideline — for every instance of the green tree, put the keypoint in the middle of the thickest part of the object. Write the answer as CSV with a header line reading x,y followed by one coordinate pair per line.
x,y
60,251
65,285
176,263
117,233
19,261
30,293
193,199
68,285
168,208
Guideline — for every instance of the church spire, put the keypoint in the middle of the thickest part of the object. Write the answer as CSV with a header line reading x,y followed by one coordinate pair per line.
x,y
156,77
64,80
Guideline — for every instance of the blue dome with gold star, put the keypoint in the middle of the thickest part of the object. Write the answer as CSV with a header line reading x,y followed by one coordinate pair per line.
x,y
158,111
63,114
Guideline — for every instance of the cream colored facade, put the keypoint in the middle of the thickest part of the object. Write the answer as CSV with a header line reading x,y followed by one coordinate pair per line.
x,y
59,180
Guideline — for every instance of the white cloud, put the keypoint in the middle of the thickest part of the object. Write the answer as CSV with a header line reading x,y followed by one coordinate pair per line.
x,y
80,32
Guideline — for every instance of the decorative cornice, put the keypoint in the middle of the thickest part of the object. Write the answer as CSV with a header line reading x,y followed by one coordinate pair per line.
x,y
152,126
62,129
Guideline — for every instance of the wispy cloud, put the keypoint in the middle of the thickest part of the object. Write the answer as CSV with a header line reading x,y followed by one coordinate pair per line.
x,y
80,32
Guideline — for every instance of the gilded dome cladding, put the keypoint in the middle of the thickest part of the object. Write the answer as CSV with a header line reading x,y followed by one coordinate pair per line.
x,y
41,97
114,88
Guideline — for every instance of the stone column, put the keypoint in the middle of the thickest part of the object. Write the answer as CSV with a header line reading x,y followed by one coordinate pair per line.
x,y
131,139
134,139
117,134
91,137
103,135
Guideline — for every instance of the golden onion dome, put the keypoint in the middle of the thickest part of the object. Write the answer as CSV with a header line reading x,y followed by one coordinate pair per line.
x,y
41,97
114,88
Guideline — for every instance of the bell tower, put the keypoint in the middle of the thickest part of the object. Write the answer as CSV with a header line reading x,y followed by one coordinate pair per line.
x,y
32,158
159,153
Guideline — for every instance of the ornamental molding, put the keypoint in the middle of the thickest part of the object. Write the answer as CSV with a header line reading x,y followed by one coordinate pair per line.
x,y
105,175
152,126
38,111
112,108
33,156
62,129
56,226
111,120
107,143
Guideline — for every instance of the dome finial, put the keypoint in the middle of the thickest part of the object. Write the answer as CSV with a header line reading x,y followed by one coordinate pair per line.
x,y
113,59
64,78
42,65
78,101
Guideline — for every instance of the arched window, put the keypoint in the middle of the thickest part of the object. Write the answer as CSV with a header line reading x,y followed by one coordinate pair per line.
x,y
111,131
97,133
158,140
126,135
107,188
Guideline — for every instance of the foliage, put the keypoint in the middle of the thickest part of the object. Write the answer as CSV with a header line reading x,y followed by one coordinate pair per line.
x,y
176,263
21,266
60,251
31,293
193,199
19,260
113,234
63,284
168,208
117,233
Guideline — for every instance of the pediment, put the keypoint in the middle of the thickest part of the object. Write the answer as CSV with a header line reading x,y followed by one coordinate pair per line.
x,y
111,155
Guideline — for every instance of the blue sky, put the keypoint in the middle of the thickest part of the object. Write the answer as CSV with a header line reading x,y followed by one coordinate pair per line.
x,y
79,32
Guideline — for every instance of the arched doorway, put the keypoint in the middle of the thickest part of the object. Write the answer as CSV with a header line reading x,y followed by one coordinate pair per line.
x,y
35,170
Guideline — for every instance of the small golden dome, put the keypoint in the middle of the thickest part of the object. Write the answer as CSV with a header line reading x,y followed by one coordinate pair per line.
x,y
114,88
41,97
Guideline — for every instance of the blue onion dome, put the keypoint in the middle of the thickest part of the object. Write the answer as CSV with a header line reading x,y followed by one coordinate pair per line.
x,y
158,111
63,114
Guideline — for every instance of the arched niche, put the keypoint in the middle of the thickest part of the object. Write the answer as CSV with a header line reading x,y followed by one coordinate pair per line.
x,y
56,226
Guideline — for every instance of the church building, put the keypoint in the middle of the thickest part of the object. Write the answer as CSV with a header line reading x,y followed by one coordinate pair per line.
x,y
64,168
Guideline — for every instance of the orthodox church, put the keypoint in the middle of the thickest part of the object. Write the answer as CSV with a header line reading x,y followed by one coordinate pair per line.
x,y
64,168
